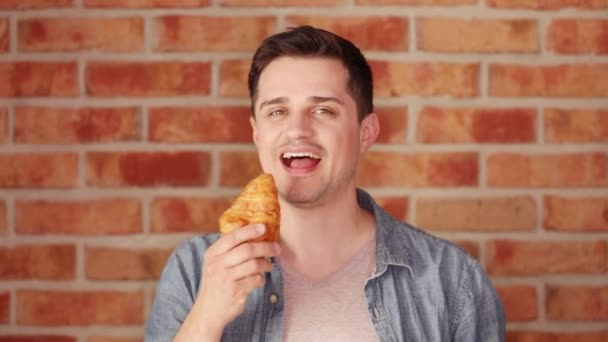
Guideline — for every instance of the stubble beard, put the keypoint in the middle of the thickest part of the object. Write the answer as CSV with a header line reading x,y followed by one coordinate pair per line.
x,y
306,199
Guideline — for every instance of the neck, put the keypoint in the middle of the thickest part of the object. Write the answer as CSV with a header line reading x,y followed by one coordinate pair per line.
x,y
317,240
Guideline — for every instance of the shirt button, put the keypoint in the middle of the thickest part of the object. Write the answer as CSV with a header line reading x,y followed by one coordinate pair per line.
x,y
376,312
274,298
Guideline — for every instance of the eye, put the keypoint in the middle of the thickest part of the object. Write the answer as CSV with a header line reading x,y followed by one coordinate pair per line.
x,y
323,111
276,112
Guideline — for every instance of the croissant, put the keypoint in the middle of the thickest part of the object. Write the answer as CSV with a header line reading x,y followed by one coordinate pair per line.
x,y
257,203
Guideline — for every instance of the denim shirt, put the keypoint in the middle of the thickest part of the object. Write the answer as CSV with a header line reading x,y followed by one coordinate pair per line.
x,y
423,289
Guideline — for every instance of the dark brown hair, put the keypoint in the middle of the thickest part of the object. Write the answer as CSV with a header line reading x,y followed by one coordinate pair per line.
x,y
308,41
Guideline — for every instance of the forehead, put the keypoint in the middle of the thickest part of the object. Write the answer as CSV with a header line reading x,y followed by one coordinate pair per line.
x,y
303,76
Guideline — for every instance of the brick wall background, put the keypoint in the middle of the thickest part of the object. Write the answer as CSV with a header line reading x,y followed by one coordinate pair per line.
x,y
123,131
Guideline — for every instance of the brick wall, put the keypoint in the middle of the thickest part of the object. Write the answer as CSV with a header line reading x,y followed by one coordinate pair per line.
x,y
123,130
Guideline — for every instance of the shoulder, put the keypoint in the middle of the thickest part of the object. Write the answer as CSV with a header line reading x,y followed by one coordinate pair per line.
x,y
461,277
440,251
177,288
188,255
195,247
185,263
426,254
436,263
401,243
426,250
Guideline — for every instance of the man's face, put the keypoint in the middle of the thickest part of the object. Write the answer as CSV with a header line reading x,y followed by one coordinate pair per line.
x,y
306,129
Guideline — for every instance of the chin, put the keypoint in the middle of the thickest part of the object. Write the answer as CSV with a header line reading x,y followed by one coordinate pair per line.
x,y
305,198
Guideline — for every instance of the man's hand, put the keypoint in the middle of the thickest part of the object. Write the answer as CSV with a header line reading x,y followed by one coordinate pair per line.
x,y
233,267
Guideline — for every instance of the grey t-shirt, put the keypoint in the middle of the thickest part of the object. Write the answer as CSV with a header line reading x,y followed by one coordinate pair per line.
x,y
335,306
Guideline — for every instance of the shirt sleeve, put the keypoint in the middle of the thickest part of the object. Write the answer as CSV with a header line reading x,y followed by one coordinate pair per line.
x,y
175,293
482,317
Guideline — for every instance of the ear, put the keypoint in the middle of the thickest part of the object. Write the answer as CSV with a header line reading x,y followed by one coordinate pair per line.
x,y
369,130
254,130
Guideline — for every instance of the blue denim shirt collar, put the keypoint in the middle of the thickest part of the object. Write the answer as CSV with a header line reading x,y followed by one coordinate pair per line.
x,y
392,243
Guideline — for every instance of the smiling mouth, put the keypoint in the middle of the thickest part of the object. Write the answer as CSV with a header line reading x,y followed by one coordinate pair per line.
x,y
300,160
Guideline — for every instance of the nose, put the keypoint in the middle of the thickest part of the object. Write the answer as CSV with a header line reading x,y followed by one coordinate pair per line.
x,y
299,126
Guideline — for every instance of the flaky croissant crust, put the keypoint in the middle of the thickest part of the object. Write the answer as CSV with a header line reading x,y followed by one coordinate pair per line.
x,y
257,203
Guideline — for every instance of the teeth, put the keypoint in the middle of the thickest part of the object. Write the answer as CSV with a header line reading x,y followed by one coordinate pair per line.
x,y
300,155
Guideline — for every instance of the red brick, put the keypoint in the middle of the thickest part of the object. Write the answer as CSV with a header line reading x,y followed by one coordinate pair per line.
x,y
3,125
111,169
172,214
38,170
48,262
548,170
3,218
233,78
575,214
397,79
277,3
416,2
4,34
548,4
480,215
582,125
477,35
148,78
49,125
135,264
204,33
577,303
5,308
383,33
84,217
566,80
20,79
471,247
397,206
37,338
56,308
151,295
574,36
202,124
146,3
76,34
237,168
542,336
114,339
393,125
476,125
520,302
509,257
23,4
431,169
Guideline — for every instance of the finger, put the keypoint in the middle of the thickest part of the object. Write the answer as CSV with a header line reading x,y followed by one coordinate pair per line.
x,y
237,290
236,237
249,268
248,284
250,250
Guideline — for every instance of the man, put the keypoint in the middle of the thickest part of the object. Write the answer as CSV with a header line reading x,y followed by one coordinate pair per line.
x,y
343,270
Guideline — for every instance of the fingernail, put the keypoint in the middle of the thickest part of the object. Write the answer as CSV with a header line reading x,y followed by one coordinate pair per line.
x,y
260,228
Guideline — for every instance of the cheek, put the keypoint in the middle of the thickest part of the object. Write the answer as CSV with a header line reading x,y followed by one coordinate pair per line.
x,y
265,152
352,141
346,146
354,149
265,136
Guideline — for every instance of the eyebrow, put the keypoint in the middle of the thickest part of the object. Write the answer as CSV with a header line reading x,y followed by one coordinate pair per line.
x,y
315,99
320,99
273,101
